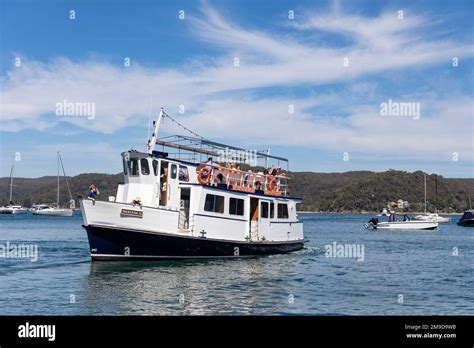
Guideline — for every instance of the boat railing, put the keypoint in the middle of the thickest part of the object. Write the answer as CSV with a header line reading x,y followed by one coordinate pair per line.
x,y
243,180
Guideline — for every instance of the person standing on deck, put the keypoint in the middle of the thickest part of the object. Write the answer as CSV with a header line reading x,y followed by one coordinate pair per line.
x,y
93,192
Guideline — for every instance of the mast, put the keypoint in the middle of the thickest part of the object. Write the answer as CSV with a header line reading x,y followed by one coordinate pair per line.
x,y
151,145
11,182
425,193
65,177
58,180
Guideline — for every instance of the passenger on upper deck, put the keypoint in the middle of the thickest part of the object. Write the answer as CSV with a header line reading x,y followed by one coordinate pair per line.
x,y
210,165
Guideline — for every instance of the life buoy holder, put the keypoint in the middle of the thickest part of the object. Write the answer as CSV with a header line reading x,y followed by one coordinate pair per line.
x,y
272,185
208,176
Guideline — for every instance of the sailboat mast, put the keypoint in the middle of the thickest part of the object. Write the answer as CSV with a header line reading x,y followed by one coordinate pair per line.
x,y
65,177
58,180
11,182
425,194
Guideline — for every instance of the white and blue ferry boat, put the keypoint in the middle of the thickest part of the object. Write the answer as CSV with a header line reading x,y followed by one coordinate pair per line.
x,y
186,201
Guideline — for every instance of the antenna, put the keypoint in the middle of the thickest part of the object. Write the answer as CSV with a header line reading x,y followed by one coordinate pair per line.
x,y
151,145
149,122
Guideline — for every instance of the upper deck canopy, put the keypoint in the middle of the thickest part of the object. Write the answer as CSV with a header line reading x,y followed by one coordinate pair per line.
x,y
192,148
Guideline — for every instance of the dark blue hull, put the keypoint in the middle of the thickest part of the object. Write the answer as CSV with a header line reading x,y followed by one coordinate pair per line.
x,y
108,243
466,223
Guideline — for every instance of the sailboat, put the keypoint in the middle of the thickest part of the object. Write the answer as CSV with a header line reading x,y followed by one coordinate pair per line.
x,y
55,209
12,208
430,216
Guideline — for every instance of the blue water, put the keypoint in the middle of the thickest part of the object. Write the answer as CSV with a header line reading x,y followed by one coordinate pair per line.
x,y
420,266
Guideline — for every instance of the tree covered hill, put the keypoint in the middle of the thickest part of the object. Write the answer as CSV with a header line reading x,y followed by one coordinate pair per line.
x,y
330,192
357,191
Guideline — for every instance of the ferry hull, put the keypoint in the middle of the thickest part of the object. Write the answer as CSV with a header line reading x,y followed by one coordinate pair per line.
x,y
111,243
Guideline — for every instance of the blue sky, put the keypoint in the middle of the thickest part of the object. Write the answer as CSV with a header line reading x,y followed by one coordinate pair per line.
x,y
282,62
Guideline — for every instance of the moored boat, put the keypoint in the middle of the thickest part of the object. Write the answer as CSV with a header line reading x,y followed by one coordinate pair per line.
x,y
467,220
55,209
173,206
431,217
12,208
45,209
405,224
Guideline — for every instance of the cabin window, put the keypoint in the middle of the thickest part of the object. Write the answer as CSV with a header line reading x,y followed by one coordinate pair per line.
x,y
264,213
214,203
125,169
183,173
145,168
282,211
133,167
154,164
236,206
174,171
272,210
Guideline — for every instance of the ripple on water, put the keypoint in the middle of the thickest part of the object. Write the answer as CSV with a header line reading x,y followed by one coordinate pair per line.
x,y
418,265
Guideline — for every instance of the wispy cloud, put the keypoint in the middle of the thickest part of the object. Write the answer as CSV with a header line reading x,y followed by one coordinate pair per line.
x,y
219,97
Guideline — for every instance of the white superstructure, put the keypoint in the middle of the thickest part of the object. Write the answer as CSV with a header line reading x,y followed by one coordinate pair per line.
x,y
193,208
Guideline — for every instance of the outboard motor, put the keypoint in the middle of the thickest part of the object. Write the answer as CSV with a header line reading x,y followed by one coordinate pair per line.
x,y
372,223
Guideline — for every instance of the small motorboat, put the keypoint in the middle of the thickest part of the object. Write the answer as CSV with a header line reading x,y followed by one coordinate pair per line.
x,y
467,220
431,217
405,224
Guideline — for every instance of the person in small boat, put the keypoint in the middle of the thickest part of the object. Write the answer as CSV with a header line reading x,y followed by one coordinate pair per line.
x,y
93,192
406,217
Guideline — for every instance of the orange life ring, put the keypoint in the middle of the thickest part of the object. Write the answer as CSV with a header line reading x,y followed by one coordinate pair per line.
x,y
208,177
272,185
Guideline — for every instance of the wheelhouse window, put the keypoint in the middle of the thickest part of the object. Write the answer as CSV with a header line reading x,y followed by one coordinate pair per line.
x,y
145,168
125,166
133,167
154,164
272,210
264,213
214,203
236,206
174,171
282,211
183,173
